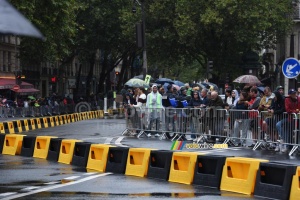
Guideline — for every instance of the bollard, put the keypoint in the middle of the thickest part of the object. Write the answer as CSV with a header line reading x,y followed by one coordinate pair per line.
x,y
159,164
116,160
273,180
105,105
81,154
28,146
208,170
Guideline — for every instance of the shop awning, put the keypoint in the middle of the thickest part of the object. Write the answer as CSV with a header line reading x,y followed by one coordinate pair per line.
x,y
9,84
26,91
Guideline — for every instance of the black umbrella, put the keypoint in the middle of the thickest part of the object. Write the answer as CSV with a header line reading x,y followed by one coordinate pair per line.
x,y
14,23
164,80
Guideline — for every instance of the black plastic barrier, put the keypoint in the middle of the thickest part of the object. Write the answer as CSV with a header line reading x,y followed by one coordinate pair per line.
x,y
274,179
81,154
54,148
117,159
208,170
159,164
2,139
28,146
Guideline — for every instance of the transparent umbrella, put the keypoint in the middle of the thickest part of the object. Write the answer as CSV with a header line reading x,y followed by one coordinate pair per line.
x,y
134,82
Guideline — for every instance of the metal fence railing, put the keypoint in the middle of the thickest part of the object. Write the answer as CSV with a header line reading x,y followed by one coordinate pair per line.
x,y
236,127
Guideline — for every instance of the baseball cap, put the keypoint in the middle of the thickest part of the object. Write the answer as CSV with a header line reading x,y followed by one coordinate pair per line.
x,y
279,87
292,91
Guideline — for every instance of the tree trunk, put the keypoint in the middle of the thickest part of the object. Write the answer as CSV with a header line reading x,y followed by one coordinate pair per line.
x,y
90,75
77,82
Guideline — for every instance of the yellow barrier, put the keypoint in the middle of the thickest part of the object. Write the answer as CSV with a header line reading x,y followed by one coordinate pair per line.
x,y
101,114
295,188
12,144
239,174
87,114
72,117
32,124
2,129
96,114
17,126
67,150
38,123
45,122
41,147
26,125
110,111
98,157
51,119
65,119
10,127
137,162
68,118
90,113
183,167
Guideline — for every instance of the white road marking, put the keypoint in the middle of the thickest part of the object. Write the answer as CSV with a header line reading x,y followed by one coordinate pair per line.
x,y
7,194
55,186
30,188
118,141
71,178
108,140
52,183
90,173
92,138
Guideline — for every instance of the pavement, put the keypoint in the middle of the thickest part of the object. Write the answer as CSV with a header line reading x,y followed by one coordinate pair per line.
x,y
33,178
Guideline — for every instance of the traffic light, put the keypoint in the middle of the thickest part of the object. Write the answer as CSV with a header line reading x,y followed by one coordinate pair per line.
x,y
54,79
210,66
18,78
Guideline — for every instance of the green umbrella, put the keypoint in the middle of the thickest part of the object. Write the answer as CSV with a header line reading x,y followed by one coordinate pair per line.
x,y
134,82
31,97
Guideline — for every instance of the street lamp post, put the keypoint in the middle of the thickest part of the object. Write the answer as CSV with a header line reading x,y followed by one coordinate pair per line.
x,y
142,5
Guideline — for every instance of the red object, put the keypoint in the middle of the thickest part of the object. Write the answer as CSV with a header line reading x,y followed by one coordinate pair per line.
x,y
54,79
16,87
226,86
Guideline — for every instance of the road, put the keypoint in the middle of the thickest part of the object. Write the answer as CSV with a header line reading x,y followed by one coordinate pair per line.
x,y
33,178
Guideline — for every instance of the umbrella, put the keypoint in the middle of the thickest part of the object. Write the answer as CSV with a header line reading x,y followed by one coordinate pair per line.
x,y
164,80
13,22
179,83
248,79
176,86
31,97
209,85
134,82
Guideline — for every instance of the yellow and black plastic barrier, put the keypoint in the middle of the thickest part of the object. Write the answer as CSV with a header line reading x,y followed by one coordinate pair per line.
x,y
12,144
208,170
98,157
2,139
239,174
2,129
9,127
117,159
54,149
25,125
44,122
137,162
38,123
41,147
274,180
28,145
182,167
32,124
17,126
67,150
159,164
295,187
81,154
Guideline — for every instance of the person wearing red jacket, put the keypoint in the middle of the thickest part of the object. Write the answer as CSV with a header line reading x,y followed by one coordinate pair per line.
x,y
292,105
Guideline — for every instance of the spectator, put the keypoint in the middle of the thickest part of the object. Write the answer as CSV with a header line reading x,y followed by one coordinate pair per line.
x,y
154,106
229,99
195,102
204,97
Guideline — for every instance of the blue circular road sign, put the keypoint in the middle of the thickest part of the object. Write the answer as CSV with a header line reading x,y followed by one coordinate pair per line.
x,y
291,68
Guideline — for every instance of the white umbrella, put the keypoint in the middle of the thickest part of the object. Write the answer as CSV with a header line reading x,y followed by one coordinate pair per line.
x,y
14,23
